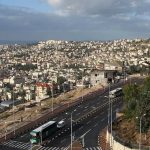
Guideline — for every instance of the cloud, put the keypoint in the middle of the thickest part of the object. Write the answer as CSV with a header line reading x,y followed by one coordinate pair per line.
x,y
54,2
77,20
100,7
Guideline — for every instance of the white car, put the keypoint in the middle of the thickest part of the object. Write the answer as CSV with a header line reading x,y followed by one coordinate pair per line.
x,y
61,124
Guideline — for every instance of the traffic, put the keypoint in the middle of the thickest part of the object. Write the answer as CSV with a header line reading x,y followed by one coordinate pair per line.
x,y
44,131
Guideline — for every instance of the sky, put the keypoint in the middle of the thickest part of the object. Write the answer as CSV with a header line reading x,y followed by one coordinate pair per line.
x,y
36,20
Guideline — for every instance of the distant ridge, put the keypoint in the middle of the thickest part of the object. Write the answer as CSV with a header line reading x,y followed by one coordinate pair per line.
x,y
17,42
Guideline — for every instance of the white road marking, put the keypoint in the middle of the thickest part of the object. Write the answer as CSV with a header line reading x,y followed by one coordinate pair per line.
x,y
63,140
88,122
95,125
102,119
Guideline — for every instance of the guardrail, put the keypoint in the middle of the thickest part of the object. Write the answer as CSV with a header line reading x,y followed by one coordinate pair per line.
x,y
128,143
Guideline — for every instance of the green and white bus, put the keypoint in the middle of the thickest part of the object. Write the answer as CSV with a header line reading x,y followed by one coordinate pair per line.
x,y
116,93
42,132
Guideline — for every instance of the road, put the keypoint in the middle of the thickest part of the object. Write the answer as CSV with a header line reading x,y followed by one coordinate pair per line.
x,y
92,125
89,116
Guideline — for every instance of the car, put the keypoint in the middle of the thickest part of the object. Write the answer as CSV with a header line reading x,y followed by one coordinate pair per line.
x,y
61,124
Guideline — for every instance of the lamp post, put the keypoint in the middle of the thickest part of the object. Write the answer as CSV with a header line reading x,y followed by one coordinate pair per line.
x,y
109,115
5,131
52,98
82,85
71,130
13,112
111,119
71,127
140,130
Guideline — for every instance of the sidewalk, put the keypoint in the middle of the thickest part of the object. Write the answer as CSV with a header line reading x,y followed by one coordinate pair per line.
x,y
76,146
102,140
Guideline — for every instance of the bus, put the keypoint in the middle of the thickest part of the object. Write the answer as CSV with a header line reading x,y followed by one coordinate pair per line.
x,y
42,132
116,93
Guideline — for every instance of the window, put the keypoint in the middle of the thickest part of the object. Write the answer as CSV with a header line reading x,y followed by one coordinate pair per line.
x,y
46,133
95,75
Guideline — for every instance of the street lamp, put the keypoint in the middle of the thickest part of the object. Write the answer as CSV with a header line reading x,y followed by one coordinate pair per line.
x,y
71,130
13,112
52,98
109,114
140,129
71,127
5,131
82,84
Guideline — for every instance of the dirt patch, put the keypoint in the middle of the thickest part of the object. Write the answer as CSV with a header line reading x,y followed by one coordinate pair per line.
x,y
126,130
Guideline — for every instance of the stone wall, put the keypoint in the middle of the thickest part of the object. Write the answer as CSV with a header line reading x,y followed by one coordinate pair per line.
x,y
119,144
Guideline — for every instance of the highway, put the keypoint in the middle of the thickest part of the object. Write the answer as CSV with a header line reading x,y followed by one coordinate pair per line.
x,y
88,117
92,125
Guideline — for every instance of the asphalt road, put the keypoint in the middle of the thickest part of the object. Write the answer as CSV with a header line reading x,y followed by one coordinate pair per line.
x,y
91,125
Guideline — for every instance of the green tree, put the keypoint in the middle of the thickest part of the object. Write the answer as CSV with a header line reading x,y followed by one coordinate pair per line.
x,y
131,98
137,103
61,80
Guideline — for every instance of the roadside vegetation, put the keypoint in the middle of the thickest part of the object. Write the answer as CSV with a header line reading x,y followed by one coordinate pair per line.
x,y
136,109
137,103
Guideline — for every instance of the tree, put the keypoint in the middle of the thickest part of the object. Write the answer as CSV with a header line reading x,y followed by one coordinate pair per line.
x,y
137,103
131,98
61,80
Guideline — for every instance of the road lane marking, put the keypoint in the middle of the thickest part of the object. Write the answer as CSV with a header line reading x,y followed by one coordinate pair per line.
x,y
88,122
102,119
62,141
95,117
95,125
78,113
81,128
55,118
39,148
102,112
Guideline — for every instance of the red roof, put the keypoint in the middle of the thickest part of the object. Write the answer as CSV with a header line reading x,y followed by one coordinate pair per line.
x,y
43,84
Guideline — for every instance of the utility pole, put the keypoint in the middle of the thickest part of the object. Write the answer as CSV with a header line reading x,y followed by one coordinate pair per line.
x,y
71,130
52,98
5,131
71,127
140,130
111,123
82,84
13,112
110,115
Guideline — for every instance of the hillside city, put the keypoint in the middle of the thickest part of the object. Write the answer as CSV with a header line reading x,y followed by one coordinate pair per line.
x,y
74,75
37,78
36,71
